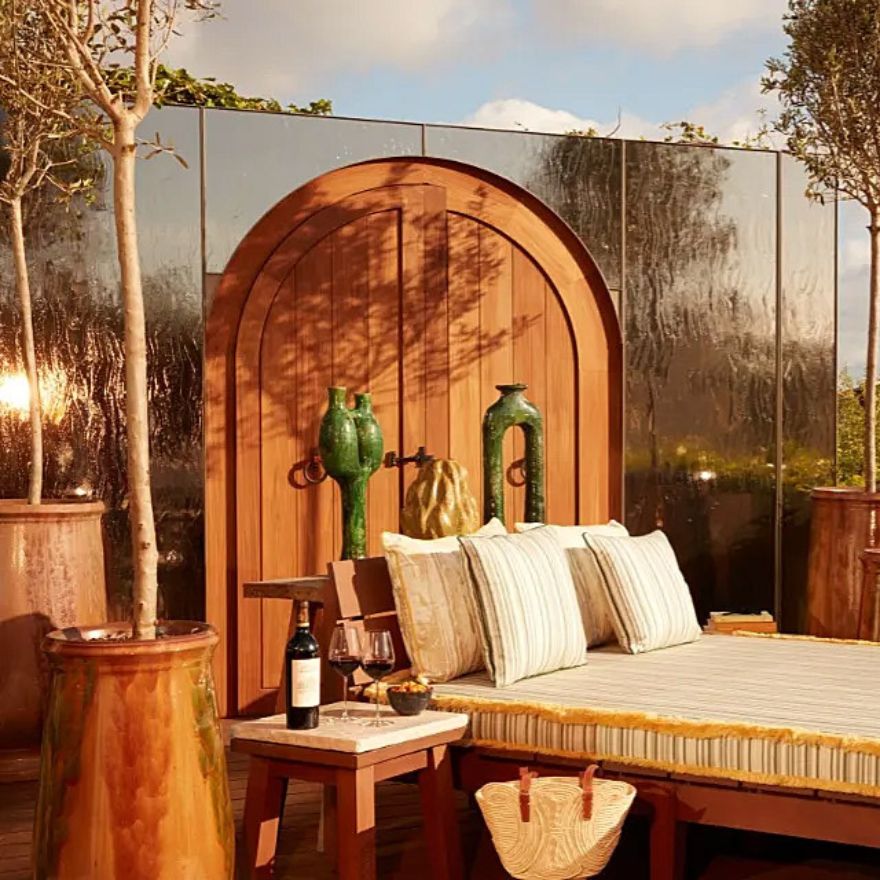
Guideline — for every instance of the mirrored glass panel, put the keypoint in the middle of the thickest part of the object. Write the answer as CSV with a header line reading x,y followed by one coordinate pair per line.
x,y
808,373
579,177
78,328
254,159
701,364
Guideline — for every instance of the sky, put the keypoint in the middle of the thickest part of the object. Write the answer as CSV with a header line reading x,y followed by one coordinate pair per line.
x,y
619,66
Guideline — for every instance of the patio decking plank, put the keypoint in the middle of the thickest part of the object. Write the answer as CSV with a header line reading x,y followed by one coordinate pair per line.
x,y
401,852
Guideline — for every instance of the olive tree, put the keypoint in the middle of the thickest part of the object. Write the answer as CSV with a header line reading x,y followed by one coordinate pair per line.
x,y
93,40
37,146
828,85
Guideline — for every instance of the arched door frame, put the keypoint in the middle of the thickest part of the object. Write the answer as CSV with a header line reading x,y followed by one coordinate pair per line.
x,y
512,212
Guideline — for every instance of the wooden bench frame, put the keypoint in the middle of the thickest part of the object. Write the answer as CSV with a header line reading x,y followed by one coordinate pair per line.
x,y
359,592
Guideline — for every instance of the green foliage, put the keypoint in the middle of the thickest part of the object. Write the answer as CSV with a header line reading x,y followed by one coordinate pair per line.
x,y
178,86
850,431
685,132
828,83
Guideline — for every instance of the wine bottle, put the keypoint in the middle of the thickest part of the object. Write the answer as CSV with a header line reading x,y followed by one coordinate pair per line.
x,y
303,662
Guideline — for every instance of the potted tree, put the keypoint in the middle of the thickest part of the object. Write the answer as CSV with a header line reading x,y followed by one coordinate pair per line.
x,y
51,554
133,778
827,84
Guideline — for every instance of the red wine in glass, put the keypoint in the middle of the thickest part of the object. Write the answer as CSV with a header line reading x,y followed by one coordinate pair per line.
x,y
345,665
378,661
378,669
344,655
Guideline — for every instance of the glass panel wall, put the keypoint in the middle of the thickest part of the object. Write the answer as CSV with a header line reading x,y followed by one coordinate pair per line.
x,y
78,328
808,375
578,177
252,160
701,364
699,284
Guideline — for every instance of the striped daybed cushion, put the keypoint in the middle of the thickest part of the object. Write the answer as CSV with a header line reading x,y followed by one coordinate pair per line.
x,y
772,710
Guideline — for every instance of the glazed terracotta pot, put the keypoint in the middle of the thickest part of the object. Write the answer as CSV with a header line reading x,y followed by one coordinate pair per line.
x,y
51,576
840,529
133,781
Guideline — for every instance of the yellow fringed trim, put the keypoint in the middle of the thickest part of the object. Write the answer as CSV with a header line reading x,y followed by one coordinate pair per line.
x,y
802,782
795,637
658,724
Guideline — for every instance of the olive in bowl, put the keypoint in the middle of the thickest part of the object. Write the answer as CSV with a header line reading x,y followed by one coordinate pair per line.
x,y
409,698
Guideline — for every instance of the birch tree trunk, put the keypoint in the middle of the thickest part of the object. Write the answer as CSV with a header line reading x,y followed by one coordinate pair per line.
x,y
143,529
871,365
23,288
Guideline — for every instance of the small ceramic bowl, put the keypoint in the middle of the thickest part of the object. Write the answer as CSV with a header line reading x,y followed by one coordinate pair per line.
x,y
408,702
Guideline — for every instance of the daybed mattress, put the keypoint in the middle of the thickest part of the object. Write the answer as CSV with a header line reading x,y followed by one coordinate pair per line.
x,y
782,711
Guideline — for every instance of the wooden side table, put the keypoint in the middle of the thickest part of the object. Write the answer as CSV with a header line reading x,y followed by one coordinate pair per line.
x,y
350,758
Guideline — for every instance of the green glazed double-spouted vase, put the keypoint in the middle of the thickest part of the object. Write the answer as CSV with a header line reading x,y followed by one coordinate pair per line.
x,y
351,447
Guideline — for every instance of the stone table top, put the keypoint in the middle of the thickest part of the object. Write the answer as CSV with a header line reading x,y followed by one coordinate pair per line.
x,y
352,737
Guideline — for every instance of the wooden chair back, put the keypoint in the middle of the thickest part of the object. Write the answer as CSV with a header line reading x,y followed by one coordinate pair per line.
x,y
359,593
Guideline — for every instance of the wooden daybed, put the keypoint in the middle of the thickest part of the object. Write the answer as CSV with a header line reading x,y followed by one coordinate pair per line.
x,y
773,754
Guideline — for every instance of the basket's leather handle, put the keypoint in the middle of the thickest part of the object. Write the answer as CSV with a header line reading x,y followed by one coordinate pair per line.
x,y
587,787
525,783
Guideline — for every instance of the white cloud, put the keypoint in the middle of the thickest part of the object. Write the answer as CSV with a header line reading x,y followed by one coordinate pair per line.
x,y
518,113
737,113
732,116
661,26
288,47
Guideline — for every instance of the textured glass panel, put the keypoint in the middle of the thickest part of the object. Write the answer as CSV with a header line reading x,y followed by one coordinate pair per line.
x,y
808,375
78,323
253,160
700,332
578,177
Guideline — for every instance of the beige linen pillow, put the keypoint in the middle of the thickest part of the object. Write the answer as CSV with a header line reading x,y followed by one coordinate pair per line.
x,y
435,603
595,613
528,603
649,598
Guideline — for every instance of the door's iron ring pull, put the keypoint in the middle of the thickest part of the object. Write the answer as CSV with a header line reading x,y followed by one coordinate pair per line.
x,y
313,469
518,466
421,456
307,472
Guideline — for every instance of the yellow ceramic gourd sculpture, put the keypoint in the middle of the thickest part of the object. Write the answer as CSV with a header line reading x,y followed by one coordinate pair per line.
x,y
439,502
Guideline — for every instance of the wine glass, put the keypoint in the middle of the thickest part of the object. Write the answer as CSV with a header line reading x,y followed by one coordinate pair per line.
x,y
344,655
378,661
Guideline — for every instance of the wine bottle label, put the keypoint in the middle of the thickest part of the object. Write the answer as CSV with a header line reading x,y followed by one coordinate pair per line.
x,y
305,683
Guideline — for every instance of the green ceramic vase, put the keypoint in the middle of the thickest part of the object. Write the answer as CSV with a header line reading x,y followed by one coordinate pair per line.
x,y
351,447
511,409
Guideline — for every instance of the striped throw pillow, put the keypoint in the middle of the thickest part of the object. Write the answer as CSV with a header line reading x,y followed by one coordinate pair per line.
x,y
435,603
650,601
595,613
531,621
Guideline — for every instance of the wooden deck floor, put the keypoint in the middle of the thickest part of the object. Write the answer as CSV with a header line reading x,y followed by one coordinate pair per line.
x,y
713,855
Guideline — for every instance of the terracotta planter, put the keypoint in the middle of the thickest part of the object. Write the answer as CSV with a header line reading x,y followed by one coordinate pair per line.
x,y
840,529
51,576
133,779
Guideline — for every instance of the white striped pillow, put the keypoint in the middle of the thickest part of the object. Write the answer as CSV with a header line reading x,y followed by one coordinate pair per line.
x,y
531,621
595,613
434,597
650,601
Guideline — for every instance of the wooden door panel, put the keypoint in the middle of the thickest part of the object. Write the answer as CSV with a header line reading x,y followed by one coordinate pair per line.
x,y
383,310
496,332
279,418
428,288
465,347
329,324
560,425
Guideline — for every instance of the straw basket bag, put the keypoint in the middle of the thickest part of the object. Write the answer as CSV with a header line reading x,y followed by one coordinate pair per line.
x,y
556,828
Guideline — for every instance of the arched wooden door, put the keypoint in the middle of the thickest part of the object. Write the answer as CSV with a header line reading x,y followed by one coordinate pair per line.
x,y
428,284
